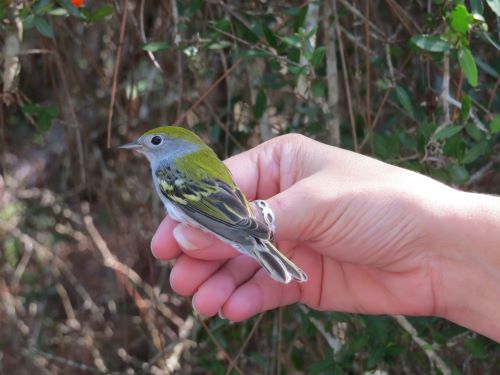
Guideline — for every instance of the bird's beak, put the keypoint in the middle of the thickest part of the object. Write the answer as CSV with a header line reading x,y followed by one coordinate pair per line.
x,y
134,145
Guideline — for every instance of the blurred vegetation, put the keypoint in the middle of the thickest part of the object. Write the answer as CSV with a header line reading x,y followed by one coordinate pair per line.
x,y
412,83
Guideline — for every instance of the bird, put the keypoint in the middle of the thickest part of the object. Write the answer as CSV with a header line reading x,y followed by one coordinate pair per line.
x,y
198,189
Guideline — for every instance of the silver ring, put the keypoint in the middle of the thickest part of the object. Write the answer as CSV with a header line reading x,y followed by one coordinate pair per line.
x,y
268,215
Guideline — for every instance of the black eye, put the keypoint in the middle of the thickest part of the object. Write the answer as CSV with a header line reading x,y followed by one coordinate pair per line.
x,y
156,140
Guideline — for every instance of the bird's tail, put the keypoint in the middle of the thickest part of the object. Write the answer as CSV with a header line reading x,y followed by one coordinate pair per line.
x,y
279,267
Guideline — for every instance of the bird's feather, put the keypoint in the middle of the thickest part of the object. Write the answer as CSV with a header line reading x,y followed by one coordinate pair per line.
x,y
214,204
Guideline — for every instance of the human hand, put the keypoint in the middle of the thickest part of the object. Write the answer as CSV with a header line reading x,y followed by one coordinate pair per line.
x,y
364,231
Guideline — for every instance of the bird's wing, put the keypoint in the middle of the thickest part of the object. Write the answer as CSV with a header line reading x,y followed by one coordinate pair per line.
x,y
216,205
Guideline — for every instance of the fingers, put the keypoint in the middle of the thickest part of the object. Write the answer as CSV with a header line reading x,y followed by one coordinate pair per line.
x,y
261,293
188,274
239,289
163,244
215,291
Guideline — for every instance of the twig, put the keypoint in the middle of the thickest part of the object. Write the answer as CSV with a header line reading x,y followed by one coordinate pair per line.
x,y
144,39
185,330
472,114
209,90
280,341
344,73
332,77
368,64
311,23
64,361
406,20
356,40
72,113
480,173
377,117
445,92
23,263
44,253
68,308
270,52
112,262
334,343
221,124
180,71
219,346
115,72
434,358
245,343
360,15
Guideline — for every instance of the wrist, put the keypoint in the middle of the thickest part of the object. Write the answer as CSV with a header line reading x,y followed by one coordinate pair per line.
x,y
466,270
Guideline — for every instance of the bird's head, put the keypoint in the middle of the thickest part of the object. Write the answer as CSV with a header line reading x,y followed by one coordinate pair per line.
x,y
166,142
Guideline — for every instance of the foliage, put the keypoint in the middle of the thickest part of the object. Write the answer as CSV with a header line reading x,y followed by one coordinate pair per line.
x,y
418,87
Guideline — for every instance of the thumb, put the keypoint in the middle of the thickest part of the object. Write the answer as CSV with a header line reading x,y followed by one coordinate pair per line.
x,y
297,211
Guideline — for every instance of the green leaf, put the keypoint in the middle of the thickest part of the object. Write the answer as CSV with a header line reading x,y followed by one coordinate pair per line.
x,y
101,13
458,173
58,12
479,149
490,39
477,6
431,43
221,44
29,21
322,367
475,133
454,146
405,100
495,125
245,33
495,6
317,56
155,46
318,88
487,68
468,65
194,7
68,5
447,132
300,18
292,41
260,104
460,19
477,348
269,34
43,27
465,108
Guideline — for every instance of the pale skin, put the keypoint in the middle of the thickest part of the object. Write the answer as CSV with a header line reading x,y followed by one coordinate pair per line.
x,y
373,238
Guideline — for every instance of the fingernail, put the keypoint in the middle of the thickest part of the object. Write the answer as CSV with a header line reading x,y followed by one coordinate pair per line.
x,y
181,238
194,308
191,239
220,314
152,246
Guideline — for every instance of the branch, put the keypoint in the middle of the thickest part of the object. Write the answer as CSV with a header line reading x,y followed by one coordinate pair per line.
x,y
332,77
344,71
115,73
445,90
434,358
311,22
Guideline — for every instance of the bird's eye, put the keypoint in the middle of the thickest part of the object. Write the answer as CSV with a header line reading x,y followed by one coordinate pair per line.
x,y
156,140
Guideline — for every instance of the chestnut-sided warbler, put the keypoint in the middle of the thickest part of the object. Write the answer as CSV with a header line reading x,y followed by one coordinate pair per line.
x,y
198,189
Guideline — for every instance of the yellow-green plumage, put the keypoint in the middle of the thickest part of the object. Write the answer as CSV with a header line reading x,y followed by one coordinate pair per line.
x,y
197,188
